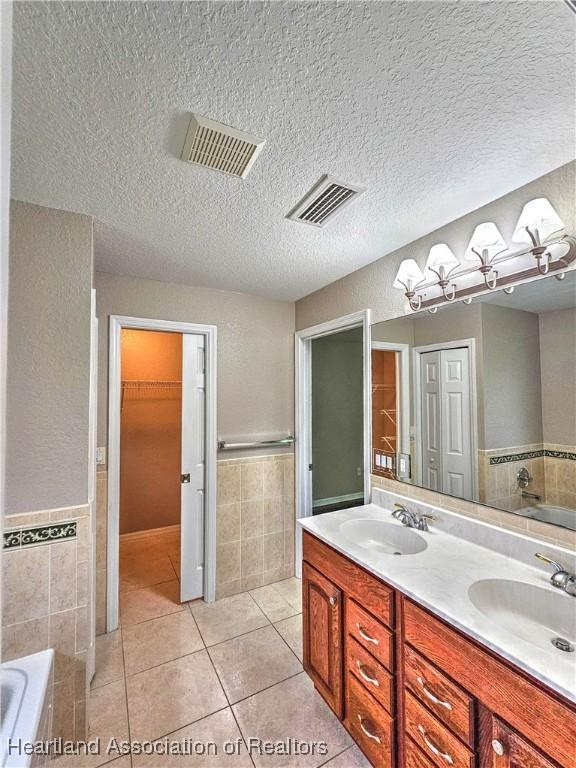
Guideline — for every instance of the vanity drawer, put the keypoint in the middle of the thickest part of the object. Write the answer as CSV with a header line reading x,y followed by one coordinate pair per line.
x,y
355,581
444,698
369,724
433,738
414,757
370,633
370,673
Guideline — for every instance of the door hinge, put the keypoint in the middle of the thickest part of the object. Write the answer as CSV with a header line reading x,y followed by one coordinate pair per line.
x,y
185,478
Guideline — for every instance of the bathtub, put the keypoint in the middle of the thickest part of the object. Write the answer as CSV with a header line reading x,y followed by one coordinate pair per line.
x,y
26,706
548,513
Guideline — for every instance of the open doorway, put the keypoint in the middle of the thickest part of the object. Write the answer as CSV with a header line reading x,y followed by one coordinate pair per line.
x,y
162,462
304,340
150,459
337,421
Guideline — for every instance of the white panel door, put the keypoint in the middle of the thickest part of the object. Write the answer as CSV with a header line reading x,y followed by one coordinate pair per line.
x,y
193,466
430,421
456,423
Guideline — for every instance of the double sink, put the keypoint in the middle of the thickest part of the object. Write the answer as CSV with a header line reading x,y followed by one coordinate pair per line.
x,y
532,613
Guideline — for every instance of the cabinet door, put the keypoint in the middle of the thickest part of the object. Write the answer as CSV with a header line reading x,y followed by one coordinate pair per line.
x,y
322,624
504,748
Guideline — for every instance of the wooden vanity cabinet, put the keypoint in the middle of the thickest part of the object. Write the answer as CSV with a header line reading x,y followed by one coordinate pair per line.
x,y
414,692
322,635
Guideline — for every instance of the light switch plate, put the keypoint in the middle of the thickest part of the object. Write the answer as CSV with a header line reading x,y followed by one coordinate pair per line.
x,y
403,466
101,455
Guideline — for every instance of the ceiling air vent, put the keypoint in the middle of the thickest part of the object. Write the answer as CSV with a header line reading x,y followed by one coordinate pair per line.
x,y
324,200
220,147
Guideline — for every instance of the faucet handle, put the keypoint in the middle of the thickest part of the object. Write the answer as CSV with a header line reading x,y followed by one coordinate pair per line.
x,y
545,559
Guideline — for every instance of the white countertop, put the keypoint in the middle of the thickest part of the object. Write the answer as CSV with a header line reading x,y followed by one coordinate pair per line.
x,y
439,579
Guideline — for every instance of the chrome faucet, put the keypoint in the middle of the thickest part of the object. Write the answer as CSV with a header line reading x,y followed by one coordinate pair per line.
x,y
561,578
411,519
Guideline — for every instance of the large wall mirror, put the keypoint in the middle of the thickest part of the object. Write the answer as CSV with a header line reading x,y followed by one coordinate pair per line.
x,y
478,401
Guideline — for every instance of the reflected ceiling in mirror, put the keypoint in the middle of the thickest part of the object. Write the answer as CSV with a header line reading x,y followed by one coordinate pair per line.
x,y
478,401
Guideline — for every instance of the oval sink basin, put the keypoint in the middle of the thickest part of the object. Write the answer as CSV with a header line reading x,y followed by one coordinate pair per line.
x,y
385,538
531,613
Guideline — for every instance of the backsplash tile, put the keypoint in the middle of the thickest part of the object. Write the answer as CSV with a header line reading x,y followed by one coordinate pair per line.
x,y
551,533
255,539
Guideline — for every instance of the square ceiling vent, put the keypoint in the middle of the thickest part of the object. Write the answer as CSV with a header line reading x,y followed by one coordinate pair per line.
x,y
220,147
324,201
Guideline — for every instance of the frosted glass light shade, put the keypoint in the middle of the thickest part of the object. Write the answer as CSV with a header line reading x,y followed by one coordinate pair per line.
x,y
486,237
441,256
409,275
542,220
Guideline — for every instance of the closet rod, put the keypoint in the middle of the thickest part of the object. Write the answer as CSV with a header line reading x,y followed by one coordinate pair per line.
x,y
224,446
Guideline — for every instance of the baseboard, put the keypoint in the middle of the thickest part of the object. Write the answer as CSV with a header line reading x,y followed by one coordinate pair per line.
x,y
338,499
149,532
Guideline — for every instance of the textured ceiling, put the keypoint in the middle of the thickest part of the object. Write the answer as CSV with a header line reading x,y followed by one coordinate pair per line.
x,y
435,107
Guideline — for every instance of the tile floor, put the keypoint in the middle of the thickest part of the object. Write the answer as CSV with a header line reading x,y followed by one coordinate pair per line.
x,y
211,674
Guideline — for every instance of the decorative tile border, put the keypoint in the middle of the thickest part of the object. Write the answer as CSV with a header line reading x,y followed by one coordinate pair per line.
x,y
507,458
546,452
560,454
40,534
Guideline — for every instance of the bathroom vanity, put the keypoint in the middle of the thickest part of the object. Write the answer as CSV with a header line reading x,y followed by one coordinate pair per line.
x,y
434,647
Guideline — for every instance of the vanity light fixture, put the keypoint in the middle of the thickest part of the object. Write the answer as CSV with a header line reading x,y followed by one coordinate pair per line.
x,y
442,262
485,245
408,278
537,225
540,234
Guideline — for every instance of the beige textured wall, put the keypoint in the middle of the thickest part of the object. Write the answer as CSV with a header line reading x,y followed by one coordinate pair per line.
x,y
255,349
512,392
371,287
558,355
48,358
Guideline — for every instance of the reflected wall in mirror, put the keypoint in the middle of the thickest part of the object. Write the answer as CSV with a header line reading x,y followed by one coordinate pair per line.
x,y
479,401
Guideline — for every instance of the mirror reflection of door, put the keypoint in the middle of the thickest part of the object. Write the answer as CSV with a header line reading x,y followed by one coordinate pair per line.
x,y
445,423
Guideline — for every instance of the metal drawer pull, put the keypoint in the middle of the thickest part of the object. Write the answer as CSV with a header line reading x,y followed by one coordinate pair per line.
x,y
429,695
333,600
366,732
366,637
365,676
433,748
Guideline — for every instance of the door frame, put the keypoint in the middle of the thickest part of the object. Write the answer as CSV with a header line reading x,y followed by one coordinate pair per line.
x,y
469,344
92,485
402,386
117,324
303,410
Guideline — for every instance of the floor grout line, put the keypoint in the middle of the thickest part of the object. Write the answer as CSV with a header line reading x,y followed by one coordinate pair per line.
x,y
126,692
231,710
179,607
286,641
